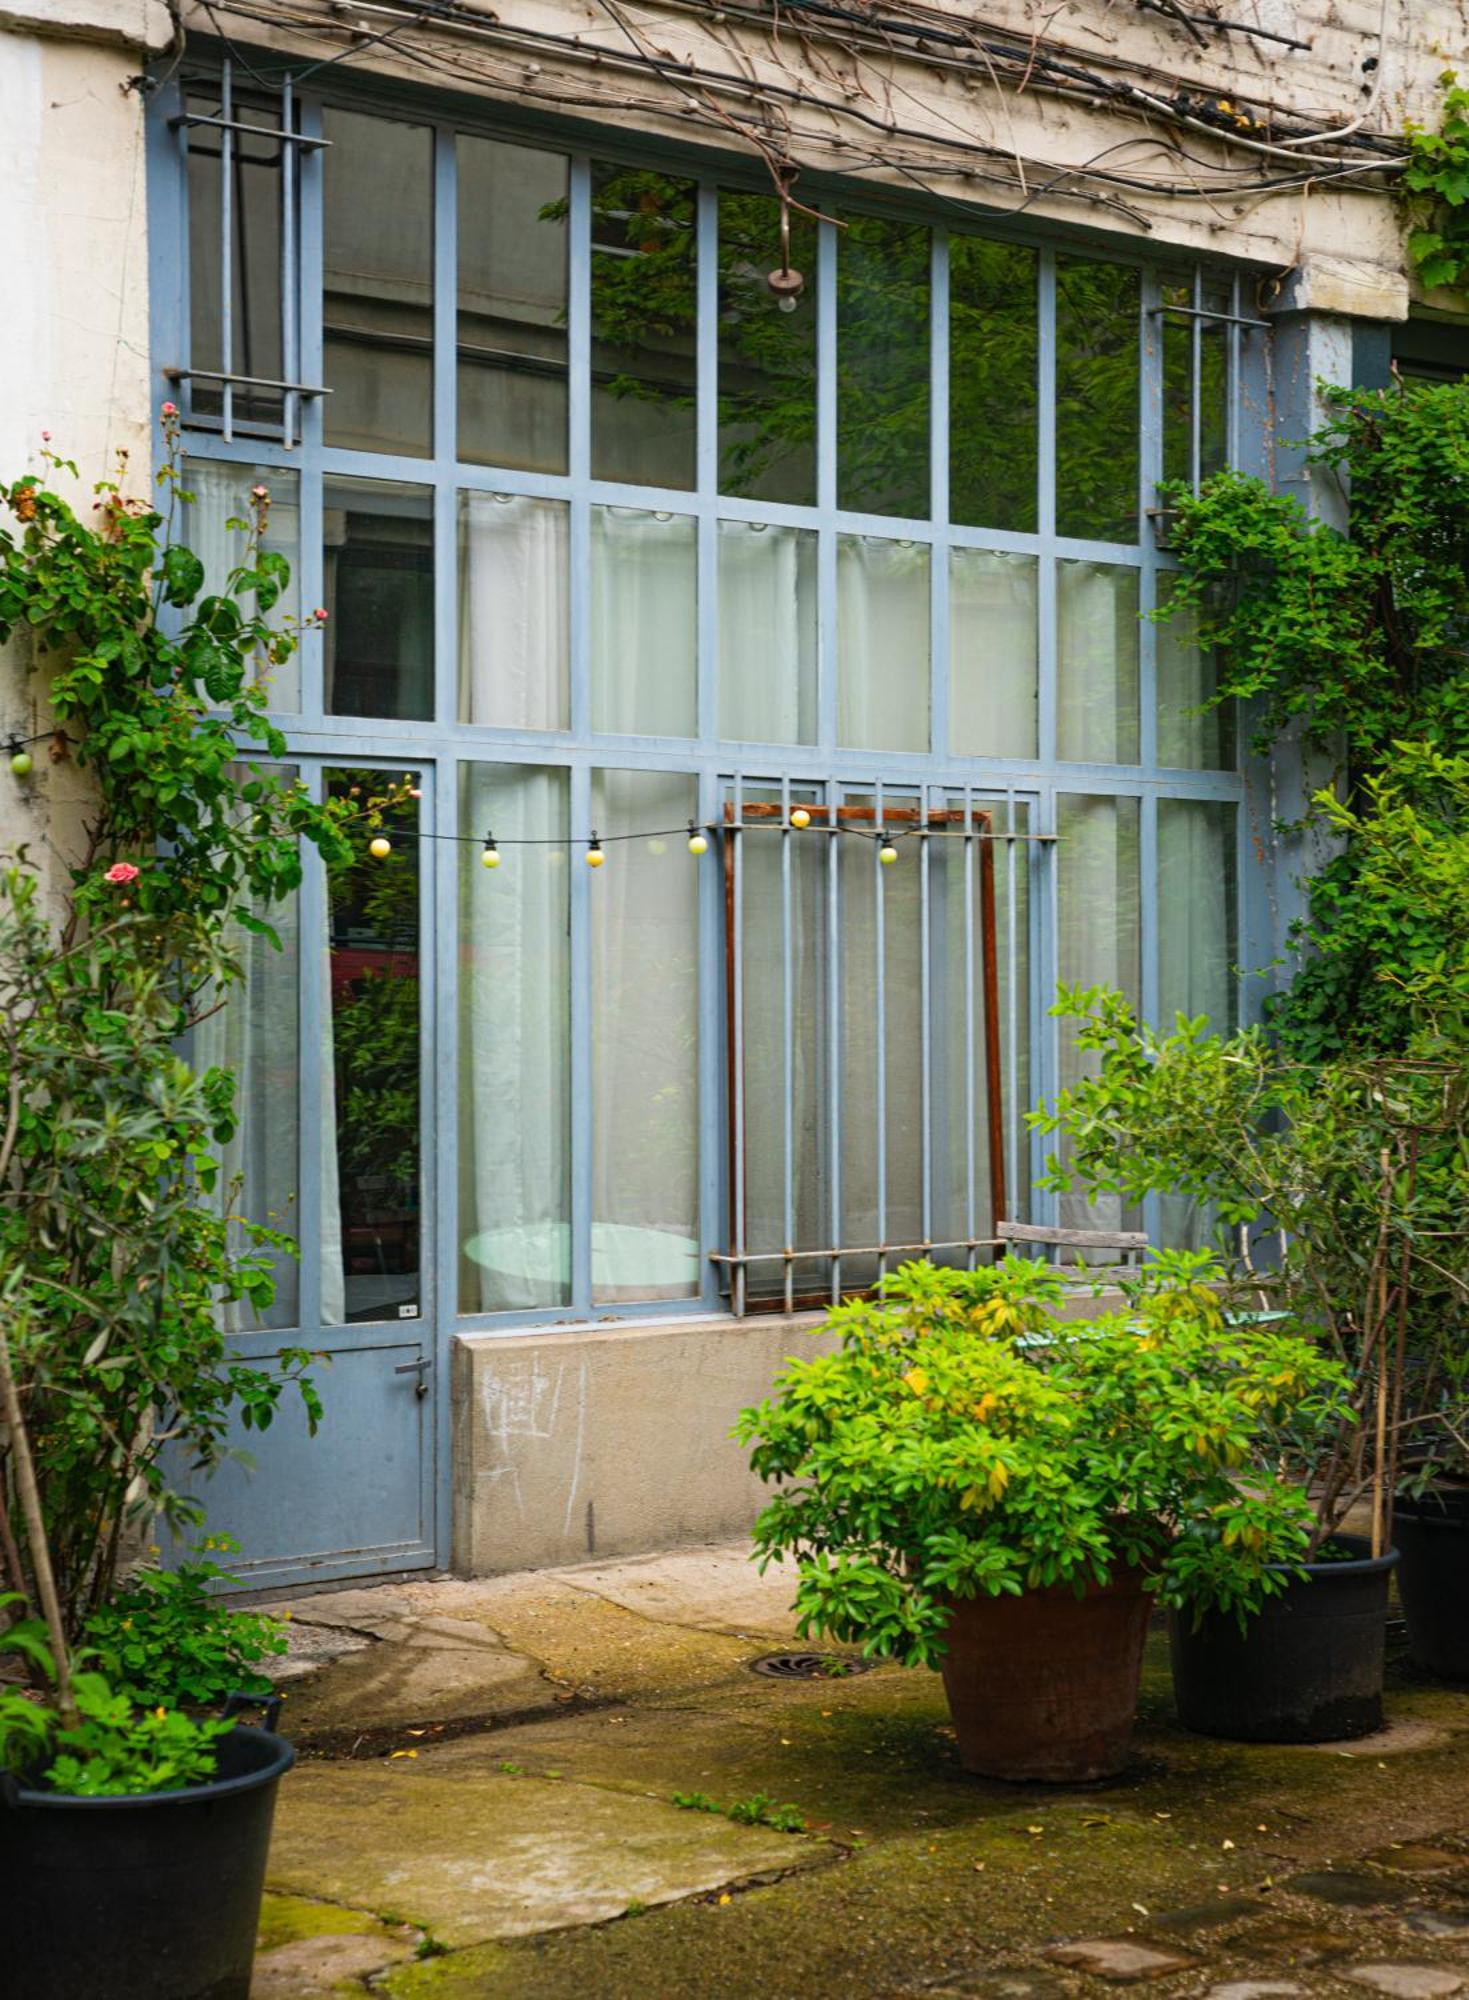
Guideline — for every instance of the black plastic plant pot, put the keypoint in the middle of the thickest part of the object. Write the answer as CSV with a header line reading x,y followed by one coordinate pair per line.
x,y
1306,1669
155,1897
1433,1581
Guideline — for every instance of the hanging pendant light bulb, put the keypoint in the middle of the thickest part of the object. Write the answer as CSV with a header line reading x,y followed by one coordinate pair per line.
x,y
380,848
786,284
887,853
800,818
490,857
697,843
21,761
595,856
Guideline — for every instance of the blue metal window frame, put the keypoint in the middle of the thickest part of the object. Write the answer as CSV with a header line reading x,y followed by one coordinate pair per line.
x,y
439,747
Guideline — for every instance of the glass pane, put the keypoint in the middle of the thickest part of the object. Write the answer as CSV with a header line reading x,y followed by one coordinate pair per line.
x,y
1097,664
379,567
1099,943
1178,385
216,529
255,262
645,1042
514,638
882,367
514,1042
993,345
1214,382
896,1036
1097,400
992,654
787,1182
644,315
256,1036
370,1081
1197,945
767,356
643,635
882,643
377,307
512,304
1193,734
767,633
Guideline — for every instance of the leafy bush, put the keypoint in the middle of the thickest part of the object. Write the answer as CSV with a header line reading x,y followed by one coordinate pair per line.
x,y
166,1639
965,1439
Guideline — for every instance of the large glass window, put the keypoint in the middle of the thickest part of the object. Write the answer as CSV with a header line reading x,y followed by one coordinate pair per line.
x,y
616,537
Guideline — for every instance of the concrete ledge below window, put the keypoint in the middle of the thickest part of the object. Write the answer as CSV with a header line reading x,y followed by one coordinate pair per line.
x,y
614,1441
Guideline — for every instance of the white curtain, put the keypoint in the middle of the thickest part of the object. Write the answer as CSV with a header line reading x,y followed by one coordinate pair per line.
x,y
514,639
221,495
645,1040
1097,663
1193,733
333,1276
254,1034
1099,940
883,644
992,654
643,630
514,1040
767,633
1196,949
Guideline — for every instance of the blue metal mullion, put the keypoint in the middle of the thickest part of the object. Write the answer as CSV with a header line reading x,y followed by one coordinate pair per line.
x,y
879,953
314,1052
582,1107
925,1021
827,651
445,426
579,441
443,1094
706,599
833,792
712,1108
1150,459
429,1227
1046,865
787,1050
971,1105
290,358
1046,515
938,569
739,1275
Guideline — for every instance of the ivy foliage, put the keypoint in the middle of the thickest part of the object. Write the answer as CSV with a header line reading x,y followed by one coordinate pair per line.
x,y
1356,642
1438,174
965,1440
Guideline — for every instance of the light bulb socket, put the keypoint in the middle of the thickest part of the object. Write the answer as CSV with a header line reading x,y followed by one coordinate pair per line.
x,y
787,285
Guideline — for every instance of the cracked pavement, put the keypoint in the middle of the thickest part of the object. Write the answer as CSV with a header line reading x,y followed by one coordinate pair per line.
x,y
484,1806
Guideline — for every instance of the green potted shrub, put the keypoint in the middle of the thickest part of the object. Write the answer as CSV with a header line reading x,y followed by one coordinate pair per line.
x,y
132,1827
976,1482
1341,1182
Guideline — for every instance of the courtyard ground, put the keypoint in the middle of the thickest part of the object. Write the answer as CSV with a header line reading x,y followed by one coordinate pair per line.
x,y
485,1806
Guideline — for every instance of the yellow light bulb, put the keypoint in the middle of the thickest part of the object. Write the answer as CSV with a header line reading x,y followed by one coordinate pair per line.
x,y
800,817
491,857
380,848
698,844
887,853
595,857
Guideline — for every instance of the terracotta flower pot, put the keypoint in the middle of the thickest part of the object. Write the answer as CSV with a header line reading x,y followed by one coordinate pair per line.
x,y
1044,1686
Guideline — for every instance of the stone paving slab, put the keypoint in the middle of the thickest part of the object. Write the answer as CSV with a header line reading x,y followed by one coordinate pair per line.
x,y
472,1857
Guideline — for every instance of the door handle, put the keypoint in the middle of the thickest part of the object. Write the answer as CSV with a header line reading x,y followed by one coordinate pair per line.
x,y
420,1368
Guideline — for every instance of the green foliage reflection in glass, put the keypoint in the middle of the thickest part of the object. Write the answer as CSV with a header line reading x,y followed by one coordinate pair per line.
x,y
767,358
883,291
994,349
644,319
1098,390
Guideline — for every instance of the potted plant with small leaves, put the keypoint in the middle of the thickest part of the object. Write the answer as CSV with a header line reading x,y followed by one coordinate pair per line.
x,y
975,1482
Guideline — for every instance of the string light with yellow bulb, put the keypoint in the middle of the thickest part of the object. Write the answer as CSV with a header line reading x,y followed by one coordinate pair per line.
x,y
886,839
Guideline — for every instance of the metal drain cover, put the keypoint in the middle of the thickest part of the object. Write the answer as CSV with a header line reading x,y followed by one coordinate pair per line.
x,y
810,1666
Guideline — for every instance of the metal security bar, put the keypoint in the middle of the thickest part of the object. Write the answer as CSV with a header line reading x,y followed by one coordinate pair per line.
x,y
292,143
955,858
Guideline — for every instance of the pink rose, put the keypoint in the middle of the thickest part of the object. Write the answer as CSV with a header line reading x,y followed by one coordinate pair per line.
x,y
121,871
320,616
170,409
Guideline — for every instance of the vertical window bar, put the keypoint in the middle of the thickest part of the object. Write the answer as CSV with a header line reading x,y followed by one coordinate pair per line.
x,y
226,242
925,1021
309,183
582,1111
1046,522
290,359
787,1050
713,962
735,836
971,1107
1150,472
990,957
445,393
879,939
1196,383
314,973
938,566
579,442
826,487
834,1031
1012,999
1232,384
706,600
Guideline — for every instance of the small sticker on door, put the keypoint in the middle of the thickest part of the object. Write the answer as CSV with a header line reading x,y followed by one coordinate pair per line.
x,y
408,1312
